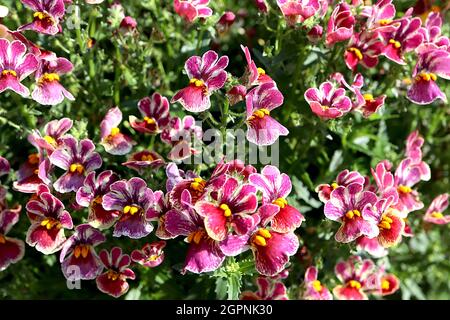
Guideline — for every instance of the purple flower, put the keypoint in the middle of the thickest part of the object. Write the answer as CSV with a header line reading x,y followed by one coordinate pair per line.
x,y
433,62
344,178
414,144
151,255
48,90
114,280
4,166
114,141
363,48
47,16
264,130
236,94
207,74
435,210
28,178
315,290
253,75
48,220
275,188
347,205
78,158
155,112
145,159
90,195
262,5
135,202
11,250
128,25
192,9
268,289
78,258
328,102
54,134
296,11
380,16
340,25
15,66
432,32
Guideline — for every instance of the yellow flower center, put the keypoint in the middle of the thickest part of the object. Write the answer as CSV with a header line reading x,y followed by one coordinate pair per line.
x,y
226,210
2,239
395,43
260,113
356,52
33,158
149,120
261,71
97,200
353,213
196,236
50,140
334,185
198,184
404,189
81,250
437,215
260,239
113,275
153,257
51,223
9,73
368,97
325,108
423,76
317,285
199,84
281,202
115,131
76,167
147,157
132,210
385,285
384,22
385,223
48,77
354,284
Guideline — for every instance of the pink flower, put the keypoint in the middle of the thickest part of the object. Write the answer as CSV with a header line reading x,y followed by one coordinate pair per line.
x,y
47,16
226,21
54,134
207,74
371,246
435,210
328,102
262,5
344,178
340,25
381,283
12,250
263,130
268,289
28,178
151,255
144,160
315,34
315,290
296,11
15,66
128,24
253,75
414,144
192,9
432,32
114,281
380,16
363,48
236,94
114,141
155,112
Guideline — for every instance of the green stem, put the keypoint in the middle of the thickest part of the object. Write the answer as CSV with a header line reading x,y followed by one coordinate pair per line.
x,y
117,75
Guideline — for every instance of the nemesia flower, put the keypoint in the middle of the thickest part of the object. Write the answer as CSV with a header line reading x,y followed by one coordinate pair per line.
x,y
344,178
135,202
380,16
253,75
47,16
340,25
232,206
346,205
371,246
262,5
433,62
296,11
354,274
328,102
315,290
114,281
4,166
12,250
363,48
90,195
28,178
315,34
238,169
414,144
175,175
162,207
54,134
268,289
432,30
128,24
262,129
151,255
275,187
192,9
48,90
142,160
206,75
435,210
48,219
15,65
114,141
78,158
78,258
155,112
226,21
236,94
383,284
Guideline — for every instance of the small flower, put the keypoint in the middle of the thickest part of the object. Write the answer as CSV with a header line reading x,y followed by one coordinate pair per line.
x,y
297,11
78,158
253,75
262,6
371,246
435,211
192,9
128,25
328,102
414,144
381,283
114,281
142,160
432,32
226,21
207,74
363,48
315,290
151,255
380,16
114,141
12,250
315,34
15,66
268,289
135,202
47,16
48,219
28,178
155,112
54,134
236,94
344,178
90,195
340,25
78,258
262,129
354,274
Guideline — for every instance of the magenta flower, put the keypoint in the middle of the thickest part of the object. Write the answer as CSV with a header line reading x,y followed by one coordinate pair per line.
x,y
155,112
380,16
78,158
114,281
230,207
28,178
414,144
340,25
435,210
315,290
162,207
90,195
226,21
4,166
47,16
275,188
78,258
405,38
236,94
344,178
432,32
328,102
54,134
15,66
192,9
12,250
296,11
315,34
268,289
136,202
385,181
371,246
433,62
262,129
151,255
142,160
128,25
346,205
262,5
363,48
48,220
381,283
206,75
354,274
114,141
253,75
48,90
